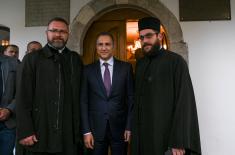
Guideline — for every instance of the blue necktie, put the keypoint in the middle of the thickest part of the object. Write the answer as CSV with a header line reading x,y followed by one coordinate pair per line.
x,y
107,79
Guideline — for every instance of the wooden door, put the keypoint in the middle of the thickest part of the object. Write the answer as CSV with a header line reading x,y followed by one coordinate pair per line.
x,y
116,28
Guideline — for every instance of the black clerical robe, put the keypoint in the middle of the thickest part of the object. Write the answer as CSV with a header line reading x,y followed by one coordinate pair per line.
x,y
165,113
47,101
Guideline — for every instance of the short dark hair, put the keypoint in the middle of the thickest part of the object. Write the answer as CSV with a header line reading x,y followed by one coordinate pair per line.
x,y
33,42
58,19
105,34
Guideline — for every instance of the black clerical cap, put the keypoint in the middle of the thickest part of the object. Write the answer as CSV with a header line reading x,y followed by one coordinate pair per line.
x,y
149,23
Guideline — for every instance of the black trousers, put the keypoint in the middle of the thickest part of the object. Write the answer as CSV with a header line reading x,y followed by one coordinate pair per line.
x,y
118,146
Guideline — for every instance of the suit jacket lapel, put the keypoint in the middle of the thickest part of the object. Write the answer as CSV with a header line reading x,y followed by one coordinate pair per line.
x,y
99,78
116,68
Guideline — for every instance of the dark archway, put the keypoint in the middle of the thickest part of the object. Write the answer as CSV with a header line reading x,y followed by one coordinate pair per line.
x,y
122,24
96,8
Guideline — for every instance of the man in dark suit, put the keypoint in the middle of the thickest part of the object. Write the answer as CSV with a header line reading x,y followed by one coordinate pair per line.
x,y
107,100
8,68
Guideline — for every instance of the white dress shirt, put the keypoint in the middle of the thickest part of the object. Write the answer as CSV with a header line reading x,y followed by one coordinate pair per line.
x,y
110,66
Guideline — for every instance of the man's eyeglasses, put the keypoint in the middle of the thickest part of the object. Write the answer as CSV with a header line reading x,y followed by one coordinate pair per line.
x,y
57,31
147,36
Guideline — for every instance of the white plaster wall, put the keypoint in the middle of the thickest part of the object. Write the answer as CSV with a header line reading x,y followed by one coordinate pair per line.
x,y
12,15
211,64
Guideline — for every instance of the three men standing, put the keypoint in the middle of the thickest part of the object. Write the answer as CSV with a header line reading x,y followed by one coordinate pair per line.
x,y
107,100
47,98
165,116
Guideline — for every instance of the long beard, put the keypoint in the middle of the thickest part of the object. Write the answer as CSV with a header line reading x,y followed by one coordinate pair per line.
x,y
155,47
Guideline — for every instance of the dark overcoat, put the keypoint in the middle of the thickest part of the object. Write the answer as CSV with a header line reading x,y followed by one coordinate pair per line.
x,y
165,113
47,100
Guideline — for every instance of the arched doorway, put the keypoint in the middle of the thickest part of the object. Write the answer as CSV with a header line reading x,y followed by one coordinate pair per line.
x,y
92,11
122,24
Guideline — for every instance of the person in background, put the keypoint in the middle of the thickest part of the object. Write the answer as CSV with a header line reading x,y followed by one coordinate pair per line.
x,y
12,51
33,46
8,67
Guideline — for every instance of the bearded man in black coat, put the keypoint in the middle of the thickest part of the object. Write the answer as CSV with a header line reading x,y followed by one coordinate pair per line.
x,y
165,116
47,100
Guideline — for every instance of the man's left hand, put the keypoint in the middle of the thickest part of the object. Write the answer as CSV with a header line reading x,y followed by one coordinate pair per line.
x,y
127,135
4,114
178,151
